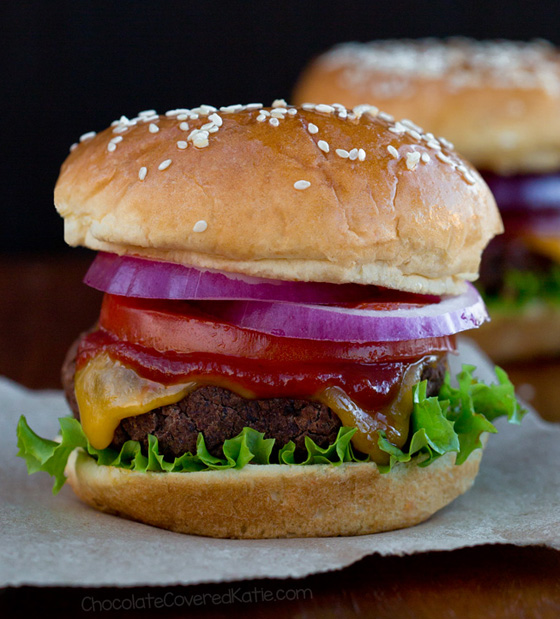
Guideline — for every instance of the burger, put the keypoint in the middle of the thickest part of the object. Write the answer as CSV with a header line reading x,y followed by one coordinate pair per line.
x,y
498,102
283,286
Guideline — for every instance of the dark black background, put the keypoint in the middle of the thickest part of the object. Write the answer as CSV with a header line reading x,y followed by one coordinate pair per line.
x,y
73,66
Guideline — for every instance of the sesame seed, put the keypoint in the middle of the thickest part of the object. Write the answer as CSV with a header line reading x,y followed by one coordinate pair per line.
x,y
469,178
193,116
302,185
265,112
206,126
278,113
274,122
253,106
385,116
182,144
261,118
463,169
292,111
325,109
142,173
324,146
446,143
364,108
434,144
312,128
153,128
116,139
414,134
213,129
87,136
425,157
197,133
120,129
231,109
279,103
182,116
353,154
412,160
411,125
74,147
147,113
200,226
308,106
343,114
164,164
216,119
443,157
111,147
184,126
205,110
361,154
393,151
200,141
342,153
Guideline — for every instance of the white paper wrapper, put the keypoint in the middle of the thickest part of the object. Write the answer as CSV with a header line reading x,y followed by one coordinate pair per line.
x,y
50,540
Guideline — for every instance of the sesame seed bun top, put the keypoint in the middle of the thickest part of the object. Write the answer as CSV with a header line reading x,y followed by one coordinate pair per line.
x,y
497,101
317,193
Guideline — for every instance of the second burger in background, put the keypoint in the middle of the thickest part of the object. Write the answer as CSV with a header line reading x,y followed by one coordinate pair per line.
x,y
498,102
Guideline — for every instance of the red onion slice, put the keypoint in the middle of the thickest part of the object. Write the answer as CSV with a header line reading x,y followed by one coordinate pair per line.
x,y
148,279
318,322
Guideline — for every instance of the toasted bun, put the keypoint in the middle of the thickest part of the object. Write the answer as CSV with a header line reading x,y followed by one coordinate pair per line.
x,y
263,501
498,101
236,199
520,335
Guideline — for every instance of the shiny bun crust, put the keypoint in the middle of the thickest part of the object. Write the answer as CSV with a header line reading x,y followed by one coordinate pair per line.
x,y
265,501
497,101
313,194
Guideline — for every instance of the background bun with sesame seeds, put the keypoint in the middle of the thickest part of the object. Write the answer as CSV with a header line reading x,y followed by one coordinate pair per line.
x,y
497,101
317,193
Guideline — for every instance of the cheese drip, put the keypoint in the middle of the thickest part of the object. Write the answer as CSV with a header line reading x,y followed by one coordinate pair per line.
x,y
393,419
107,392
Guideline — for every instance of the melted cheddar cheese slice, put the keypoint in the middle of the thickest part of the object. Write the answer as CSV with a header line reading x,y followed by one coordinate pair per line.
x,y
107,392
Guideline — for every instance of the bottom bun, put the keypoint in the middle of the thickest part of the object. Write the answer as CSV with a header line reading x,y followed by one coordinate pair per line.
x,y
264,501
521,335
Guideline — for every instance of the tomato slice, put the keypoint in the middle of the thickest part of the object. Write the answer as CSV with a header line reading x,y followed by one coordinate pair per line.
x,y
180,326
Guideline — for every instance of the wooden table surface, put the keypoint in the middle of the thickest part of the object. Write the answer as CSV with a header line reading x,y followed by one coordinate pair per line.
x,y
44,306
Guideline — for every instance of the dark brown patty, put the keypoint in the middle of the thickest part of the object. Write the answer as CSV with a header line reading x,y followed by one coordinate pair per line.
x,y
221,414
